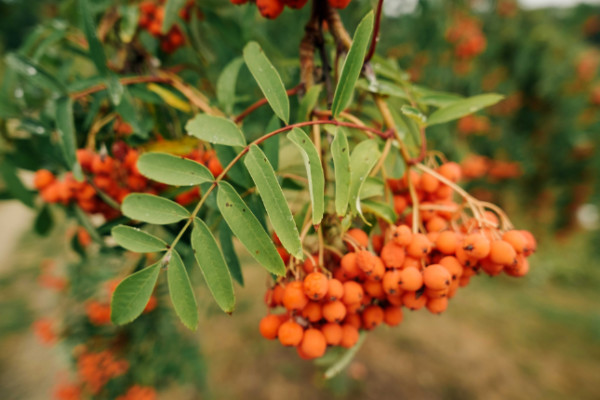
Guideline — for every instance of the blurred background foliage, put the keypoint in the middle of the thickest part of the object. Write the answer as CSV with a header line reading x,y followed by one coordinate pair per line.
x,y
537,338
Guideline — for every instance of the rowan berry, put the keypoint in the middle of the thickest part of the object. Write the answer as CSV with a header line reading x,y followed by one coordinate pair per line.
x,y
453,266
313,311
392,315
349,266
332,333
502,252
419,246
436,276
411,279
316,285
516,239
353,293
412,302
269,326
429,183
393,255
374,289
313,343
476,245
446,242
437,305
372,316
391,282
270,8
377,273
295,4
290,333
42,179
450,171
401,235
294,298
353,319
359,236
349,336
365,260
334,311
335,290
339,4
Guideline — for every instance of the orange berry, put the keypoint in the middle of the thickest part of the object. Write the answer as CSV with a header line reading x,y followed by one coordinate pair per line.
x,y
102,164
269,326
334,311
311,263
349,266
411,262
491,268
412,302
395,299
214,165
502,252
354,320
312,312
520,269
419,246
294,297
391,282
531,245
436,277
400,204
446,242
285,256
270,8
335,290
365,260
453,266
378,242
476,246
377,273
372,316
277,297
42,179
392,315
359,236
516,239
436,224
316,285
464,258
450,171
353,292
290,333
349,336
332,333
313,343
411,279
429,183
438,305
402,235
339,4
374,289
393,255
464,280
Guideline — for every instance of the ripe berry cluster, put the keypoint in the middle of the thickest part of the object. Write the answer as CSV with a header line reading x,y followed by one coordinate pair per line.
x,y
114,177
400,267
477,167
151,19
271,9
466,36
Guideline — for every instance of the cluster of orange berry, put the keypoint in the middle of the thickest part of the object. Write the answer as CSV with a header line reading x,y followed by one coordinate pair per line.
x,y
151,19
114,177
138,392
271,9
95,369
477,167
401,267
473,124
466,36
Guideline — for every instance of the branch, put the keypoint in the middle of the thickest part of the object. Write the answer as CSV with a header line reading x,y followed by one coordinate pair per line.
x,y
262,102
375,37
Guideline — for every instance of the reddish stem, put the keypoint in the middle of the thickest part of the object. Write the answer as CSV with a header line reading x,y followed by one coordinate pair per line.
x,y
375,37
262,102
125,81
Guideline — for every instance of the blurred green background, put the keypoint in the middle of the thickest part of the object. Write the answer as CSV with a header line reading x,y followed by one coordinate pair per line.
x,y
532,338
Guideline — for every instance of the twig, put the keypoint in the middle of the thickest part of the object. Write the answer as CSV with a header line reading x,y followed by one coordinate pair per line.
x,y
375,37
262,102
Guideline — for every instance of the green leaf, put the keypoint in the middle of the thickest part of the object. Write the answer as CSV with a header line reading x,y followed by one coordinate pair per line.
x,y
66,134
153,209
34,73
309,102
216,130
115,89
314,172
43,221
181,292
271,145
340,151
231,258
173,170
373,187
415,114
226,85
85,221
345,359
274,201
134,239
14,185
172,8
381,210
460,108
238,173
268,79
247,229
213,266
132,294
352,65
363,159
